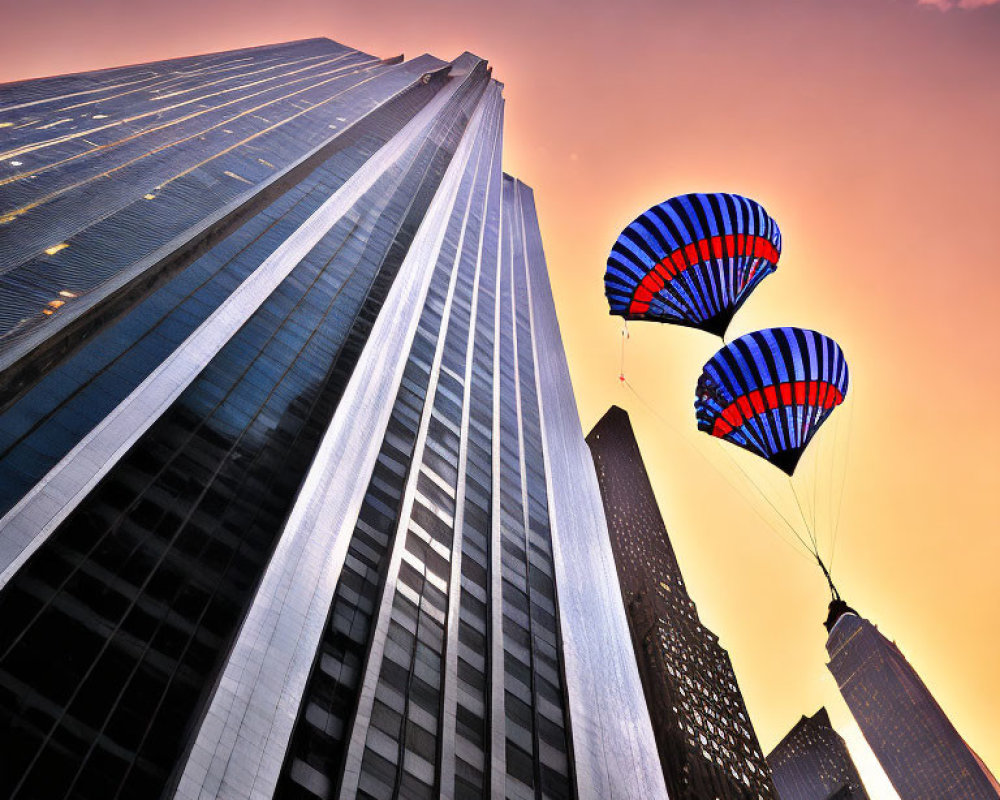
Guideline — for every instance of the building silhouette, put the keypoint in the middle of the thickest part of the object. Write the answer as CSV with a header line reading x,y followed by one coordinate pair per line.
x,y
294,500
707,745
913,739
812,763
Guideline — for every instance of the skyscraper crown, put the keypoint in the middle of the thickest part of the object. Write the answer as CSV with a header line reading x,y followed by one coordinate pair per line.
x,y
837,609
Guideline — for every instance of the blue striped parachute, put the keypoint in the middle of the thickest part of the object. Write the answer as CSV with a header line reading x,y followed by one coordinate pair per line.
x,y
770,391
692,260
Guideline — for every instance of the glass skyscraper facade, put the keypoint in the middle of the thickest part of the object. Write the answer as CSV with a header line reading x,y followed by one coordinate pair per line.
x,y
707,744
812,763
913,739
292,485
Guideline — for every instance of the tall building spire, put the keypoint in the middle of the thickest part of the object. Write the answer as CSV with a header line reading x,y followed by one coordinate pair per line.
x,y
706,742
836,610
812,763
910,734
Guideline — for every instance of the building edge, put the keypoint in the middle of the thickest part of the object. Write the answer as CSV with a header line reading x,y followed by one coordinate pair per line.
x,y
614,748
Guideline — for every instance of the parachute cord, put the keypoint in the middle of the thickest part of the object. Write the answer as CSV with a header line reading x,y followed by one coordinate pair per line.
x,y
831,482
775,530
805,522
833,589
621,364
764,494
816,493
768,500
826,573
843,481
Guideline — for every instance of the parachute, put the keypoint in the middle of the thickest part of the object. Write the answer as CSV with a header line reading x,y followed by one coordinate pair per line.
x,y
692,260
771,390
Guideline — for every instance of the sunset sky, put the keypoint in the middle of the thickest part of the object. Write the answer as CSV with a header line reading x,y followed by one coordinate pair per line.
x,y
870,130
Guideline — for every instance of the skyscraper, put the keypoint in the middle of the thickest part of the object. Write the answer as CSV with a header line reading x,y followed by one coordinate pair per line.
x,y
293,482
706,743
918,747
812,763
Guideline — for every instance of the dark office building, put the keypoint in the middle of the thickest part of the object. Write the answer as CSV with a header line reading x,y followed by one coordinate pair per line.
x,y
707,746
812,763
292,484
913,739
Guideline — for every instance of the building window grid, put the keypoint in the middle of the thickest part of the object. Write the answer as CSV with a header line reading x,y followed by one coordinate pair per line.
x,y
171,154
474,634
530,637
47,419
334,675
289,329
420,744
256,392
702,704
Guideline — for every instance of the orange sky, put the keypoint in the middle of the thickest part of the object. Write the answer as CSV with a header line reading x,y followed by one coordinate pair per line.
x,y
869,129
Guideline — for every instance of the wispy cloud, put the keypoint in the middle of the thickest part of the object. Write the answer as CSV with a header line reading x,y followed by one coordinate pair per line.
x,y
946,5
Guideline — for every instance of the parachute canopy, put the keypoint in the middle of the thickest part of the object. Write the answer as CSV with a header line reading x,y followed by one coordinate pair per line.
x,y
769,392
692,260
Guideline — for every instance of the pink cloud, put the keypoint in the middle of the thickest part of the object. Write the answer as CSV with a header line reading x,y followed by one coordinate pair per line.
x,y
945,5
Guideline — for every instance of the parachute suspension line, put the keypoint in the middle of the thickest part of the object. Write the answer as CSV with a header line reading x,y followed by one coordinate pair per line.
x,y
830,460
765,496
621,364
826,573
673,430
833,589
843,480
731,390
809,531
816,492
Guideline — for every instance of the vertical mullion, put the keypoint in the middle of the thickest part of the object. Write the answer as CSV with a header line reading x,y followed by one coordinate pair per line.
x,y
448,732
356,746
